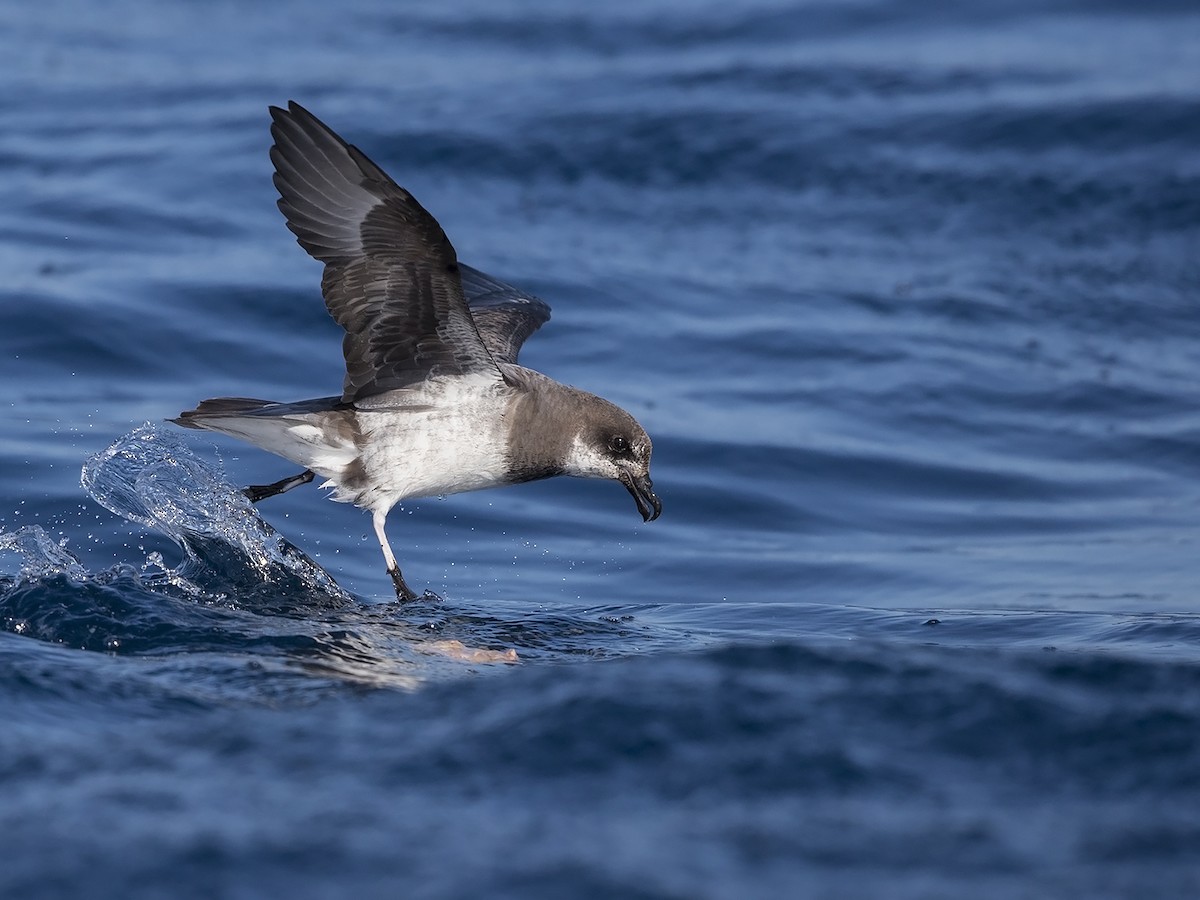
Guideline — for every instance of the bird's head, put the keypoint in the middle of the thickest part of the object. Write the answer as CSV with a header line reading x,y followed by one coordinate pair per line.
x,y
613,445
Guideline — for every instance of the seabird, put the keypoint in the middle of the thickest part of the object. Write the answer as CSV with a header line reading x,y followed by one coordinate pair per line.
x,y
433,401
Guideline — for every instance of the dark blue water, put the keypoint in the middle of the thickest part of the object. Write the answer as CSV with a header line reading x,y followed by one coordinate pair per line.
x,y
908,297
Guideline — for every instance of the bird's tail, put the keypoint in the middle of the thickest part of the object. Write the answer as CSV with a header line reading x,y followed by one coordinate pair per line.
x,y
315,434
218,407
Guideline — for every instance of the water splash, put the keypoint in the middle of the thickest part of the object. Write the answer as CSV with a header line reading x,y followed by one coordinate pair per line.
x,y
150,477
41,556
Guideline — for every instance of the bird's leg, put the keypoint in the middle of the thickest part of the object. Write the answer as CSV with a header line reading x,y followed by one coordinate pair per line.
x,y
258,492
403,591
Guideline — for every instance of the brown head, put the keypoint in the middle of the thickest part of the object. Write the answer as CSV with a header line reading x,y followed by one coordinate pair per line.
x,y
610,443
559,430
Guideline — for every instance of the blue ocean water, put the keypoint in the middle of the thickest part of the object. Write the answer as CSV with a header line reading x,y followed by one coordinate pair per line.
x,y
907,296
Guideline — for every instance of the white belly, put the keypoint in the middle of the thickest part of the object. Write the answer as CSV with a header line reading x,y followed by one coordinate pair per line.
x,y
445,441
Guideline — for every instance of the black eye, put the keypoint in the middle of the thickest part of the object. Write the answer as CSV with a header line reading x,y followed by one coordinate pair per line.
x,y
618,444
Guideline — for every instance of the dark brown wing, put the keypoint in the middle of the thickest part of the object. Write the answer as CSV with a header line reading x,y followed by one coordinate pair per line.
x,y
505,316
391,277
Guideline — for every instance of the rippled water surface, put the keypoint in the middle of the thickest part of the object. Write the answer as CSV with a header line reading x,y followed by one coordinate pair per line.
x,y
907,298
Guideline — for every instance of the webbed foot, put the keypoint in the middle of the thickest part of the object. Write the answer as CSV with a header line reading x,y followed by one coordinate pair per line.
x,y
403,592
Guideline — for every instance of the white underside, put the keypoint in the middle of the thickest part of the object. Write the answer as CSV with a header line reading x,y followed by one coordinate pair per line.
x,y
451,437
446,437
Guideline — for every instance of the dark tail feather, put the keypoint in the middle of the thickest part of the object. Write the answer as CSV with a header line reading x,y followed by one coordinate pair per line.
x,y
219,406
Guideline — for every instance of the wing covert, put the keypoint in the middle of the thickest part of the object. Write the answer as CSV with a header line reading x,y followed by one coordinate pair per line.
x,y
504,315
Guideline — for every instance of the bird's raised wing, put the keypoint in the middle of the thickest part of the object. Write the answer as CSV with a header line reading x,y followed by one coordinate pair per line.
x,y
504,315
392,279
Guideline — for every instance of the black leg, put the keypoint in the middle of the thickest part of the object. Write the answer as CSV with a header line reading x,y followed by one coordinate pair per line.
x,y
258,492
403,592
